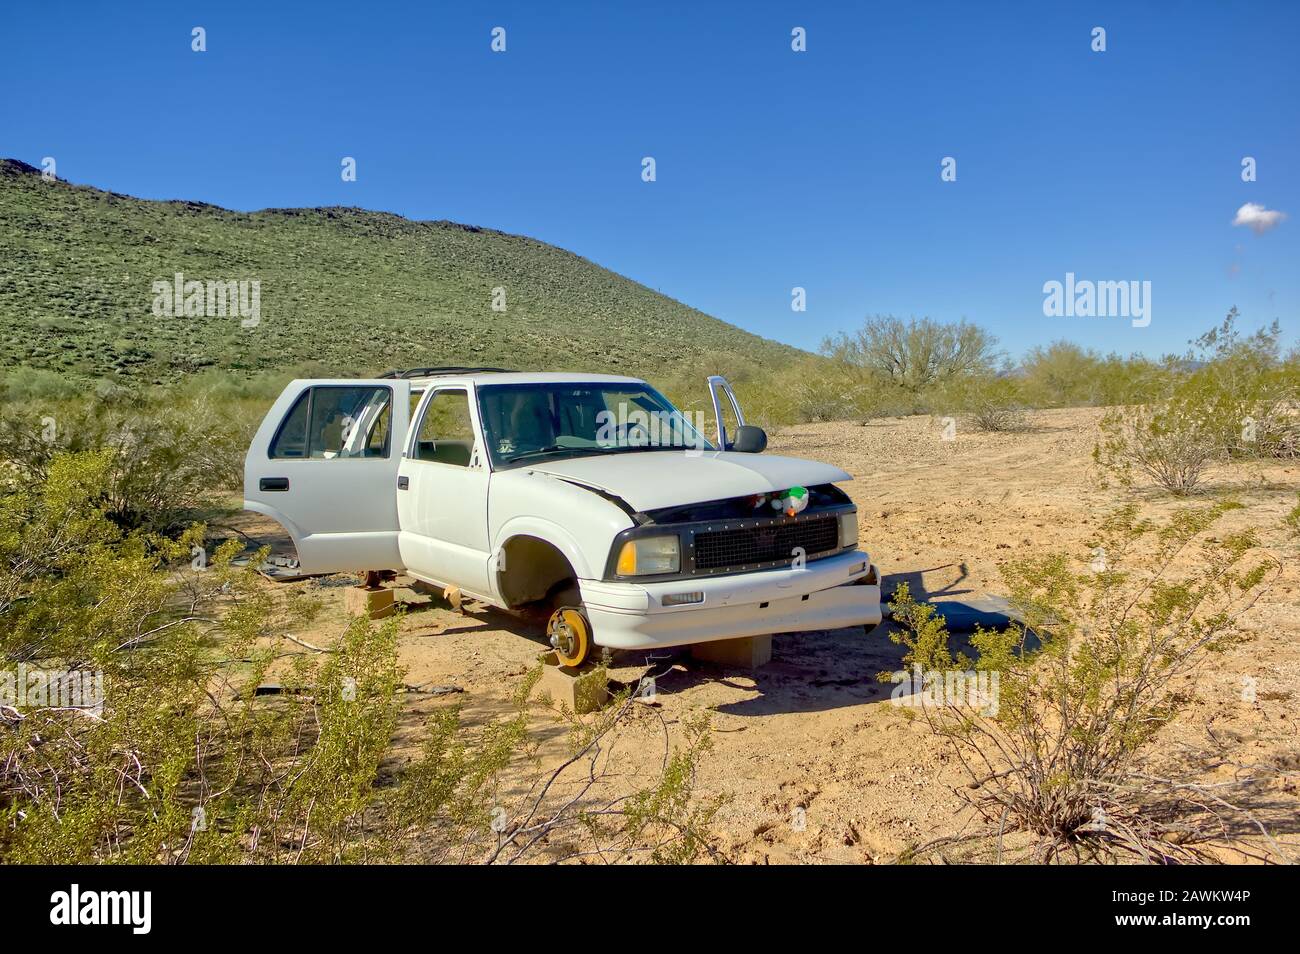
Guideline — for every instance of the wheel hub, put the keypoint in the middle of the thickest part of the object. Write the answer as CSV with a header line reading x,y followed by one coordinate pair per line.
x,y
562,637
569,636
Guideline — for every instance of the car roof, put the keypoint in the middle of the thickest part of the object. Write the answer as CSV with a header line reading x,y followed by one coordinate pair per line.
x,y
523,377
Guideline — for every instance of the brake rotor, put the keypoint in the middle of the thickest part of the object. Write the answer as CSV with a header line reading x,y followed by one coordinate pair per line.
x,y
570,636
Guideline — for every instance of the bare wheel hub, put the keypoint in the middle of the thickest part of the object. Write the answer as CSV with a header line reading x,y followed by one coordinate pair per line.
x,y
569,635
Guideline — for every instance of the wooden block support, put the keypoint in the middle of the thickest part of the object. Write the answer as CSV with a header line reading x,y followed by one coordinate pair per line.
x,y
748,652
374,603
583,690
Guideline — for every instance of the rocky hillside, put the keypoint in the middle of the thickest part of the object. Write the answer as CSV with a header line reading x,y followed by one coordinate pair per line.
x,y
346,290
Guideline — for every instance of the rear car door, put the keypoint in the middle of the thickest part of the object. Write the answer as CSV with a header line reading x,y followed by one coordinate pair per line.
x,y
324,466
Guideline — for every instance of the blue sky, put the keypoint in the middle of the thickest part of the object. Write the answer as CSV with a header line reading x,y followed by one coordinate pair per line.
x,y
775,169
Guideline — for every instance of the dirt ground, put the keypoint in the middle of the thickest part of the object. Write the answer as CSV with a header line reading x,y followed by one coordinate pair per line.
x,y
819,764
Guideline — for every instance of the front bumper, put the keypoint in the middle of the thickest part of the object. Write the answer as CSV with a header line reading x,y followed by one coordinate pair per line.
x,y
830,593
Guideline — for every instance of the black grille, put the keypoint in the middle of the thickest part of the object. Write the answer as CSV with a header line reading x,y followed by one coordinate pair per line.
x,y
746,546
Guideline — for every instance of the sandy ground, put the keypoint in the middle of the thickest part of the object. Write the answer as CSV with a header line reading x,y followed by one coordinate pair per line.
x,y
818,763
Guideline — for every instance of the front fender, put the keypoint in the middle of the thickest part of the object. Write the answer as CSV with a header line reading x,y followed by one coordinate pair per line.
x,y
559,537
580,523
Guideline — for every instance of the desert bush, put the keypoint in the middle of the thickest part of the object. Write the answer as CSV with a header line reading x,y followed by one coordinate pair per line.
x,y
1067,375
38,384
579,810
810,389
173,755
994,417
825,391
1060,762
1061,375
1246,415
923,634
1275,433
170,452
685,386
78,595
993,403
916,354
1250,396
1135,380
1172,443
1239,400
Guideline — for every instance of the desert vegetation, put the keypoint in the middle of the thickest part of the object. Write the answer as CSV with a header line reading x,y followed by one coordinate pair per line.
x,y
1236,399
222,731
1056,757
146,727
226,733
1232,394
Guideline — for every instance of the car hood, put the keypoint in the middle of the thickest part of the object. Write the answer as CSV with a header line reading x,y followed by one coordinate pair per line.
x,y
648,480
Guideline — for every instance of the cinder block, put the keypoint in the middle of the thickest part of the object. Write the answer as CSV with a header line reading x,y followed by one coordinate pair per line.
x,y
374,603
748,652
583,690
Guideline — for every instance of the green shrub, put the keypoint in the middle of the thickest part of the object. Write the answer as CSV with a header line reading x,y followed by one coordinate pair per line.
x,y
915,355
179,758
1067,375
824,391
1056,769
1239,401
1172,443
1250,396
994,403
26,384
1062,375
922,632
169,452
77,594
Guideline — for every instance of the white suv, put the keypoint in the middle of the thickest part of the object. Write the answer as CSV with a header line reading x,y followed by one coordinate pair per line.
x,y
590,494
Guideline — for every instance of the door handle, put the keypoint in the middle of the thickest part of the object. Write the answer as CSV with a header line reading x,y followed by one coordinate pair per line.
x,y
403,483
273,483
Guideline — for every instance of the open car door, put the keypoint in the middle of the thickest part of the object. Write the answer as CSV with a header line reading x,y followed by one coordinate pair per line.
x,y
324,466
720,391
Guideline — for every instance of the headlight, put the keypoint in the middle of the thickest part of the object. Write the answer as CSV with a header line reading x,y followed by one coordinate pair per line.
x,y
643,556
849,529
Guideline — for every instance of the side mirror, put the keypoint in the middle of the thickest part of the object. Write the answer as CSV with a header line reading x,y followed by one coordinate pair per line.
x,y
750,439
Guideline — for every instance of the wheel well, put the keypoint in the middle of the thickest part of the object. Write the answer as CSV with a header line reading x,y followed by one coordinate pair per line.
x,y
271,532
534,570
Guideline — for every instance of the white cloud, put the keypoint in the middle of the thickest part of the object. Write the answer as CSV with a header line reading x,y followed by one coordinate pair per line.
x,y
1257,218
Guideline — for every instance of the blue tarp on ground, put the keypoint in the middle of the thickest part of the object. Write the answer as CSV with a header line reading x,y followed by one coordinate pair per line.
x,y
963,615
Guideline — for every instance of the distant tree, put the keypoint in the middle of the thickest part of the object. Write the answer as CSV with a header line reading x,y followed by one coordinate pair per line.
x,y
1062,374
915,354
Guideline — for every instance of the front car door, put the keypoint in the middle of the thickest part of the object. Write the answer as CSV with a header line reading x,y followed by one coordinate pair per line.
x,y
443,492
724,399
324,466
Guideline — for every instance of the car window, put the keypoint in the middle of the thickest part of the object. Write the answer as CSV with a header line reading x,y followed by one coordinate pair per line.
x,y
446,434
529,422
332,423
377,430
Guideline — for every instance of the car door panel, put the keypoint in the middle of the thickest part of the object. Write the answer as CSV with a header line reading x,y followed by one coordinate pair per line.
x,y
442,511
338,500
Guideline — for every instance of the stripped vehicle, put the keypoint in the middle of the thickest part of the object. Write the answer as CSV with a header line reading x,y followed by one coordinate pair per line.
x,y
589,495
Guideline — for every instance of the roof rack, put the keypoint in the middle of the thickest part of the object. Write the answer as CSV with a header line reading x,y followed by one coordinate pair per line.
x,y
435,372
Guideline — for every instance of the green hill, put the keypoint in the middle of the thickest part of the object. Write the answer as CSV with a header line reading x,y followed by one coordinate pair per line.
x,y
348,290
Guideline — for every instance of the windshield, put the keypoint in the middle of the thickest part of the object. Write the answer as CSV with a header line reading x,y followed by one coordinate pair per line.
x,y
525,423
